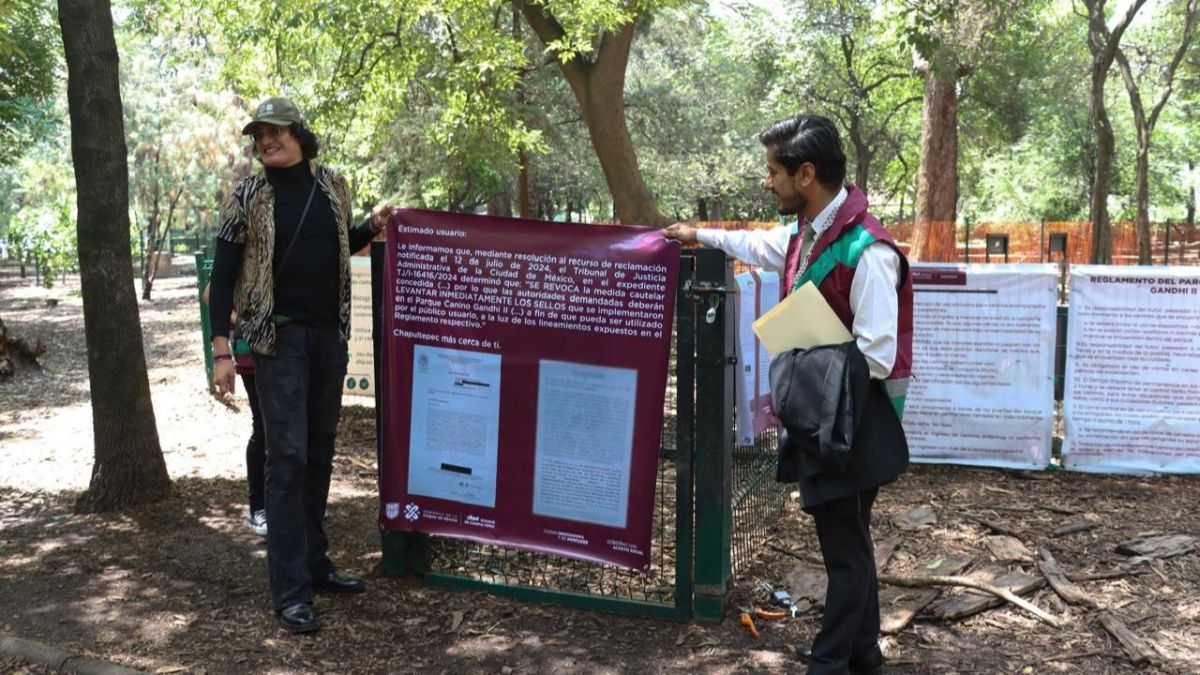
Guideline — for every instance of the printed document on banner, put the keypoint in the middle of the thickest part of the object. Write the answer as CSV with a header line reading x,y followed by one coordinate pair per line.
x,y
455,425
801,321
584,442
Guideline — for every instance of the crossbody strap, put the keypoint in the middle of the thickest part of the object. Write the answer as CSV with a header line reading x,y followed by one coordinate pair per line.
x,y
296,234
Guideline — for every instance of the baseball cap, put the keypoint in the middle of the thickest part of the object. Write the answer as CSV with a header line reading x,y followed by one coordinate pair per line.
x,y
277,110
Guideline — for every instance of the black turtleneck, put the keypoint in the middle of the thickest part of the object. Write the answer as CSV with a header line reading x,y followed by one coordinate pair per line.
x,y
306,286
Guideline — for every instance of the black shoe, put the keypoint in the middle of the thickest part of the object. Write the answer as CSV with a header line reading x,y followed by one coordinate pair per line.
x,y
298,618
338,582
804,654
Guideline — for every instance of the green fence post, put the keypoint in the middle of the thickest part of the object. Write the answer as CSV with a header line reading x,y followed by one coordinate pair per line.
x,y
203,272
685,434
1060,351
714,432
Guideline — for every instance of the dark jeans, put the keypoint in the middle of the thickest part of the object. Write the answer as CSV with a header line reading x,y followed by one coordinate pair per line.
x,y
300,391
849,635
256,448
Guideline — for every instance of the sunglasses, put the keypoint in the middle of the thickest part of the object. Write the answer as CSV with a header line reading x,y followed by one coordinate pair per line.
x,y
266,131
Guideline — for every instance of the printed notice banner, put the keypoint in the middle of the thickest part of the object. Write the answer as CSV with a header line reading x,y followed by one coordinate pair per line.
x,y
982,390
360,370
1131,403
524,372
758,292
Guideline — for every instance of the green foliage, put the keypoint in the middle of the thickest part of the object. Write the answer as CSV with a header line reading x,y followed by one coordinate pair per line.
x,y
436,103
29,57
40,225
183,134
695,97
855,68
367,72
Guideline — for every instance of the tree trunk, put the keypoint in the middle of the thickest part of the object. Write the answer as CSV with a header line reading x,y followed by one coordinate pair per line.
x,y
1142,217
1103,45
1145,124
1190,218
702,210
1105,147
862,155
599,89
150,270
6,363
862,168
129,466
499,204
937,182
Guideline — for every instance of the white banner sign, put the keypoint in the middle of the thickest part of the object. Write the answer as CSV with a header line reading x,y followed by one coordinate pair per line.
x,y
758,292
982,391
360,371
1132,397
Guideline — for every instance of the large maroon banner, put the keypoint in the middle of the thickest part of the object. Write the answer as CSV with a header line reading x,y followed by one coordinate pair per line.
x,y
524,370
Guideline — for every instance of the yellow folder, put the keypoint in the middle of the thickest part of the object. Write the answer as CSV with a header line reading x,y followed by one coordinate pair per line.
x,y
801,321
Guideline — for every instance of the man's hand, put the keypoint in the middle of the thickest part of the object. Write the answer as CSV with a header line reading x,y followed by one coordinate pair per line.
x,y
223,376
380,215
681,231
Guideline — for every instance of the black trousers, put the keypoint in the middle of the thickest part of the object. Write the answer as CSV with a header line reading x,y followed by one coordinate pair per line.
x,y
256,448
300,392
849,635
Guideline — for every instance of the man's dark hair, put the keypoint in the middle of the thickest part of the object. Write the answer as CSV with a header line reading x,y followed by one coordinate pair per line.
x,y
309,145
808,138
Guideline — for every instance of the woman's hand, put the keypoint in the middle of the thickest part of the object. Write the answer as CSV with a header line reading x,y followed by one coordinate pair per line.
x,y
380,215
224,374
224,371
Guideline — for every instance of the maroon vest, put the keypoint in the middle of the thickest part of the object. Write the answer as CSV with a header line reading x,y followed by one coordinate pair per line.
x,y
835,287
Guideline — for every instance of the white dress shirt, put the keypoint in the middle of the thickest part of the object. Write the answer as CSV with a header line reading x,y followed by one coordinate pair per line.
x,y
873,297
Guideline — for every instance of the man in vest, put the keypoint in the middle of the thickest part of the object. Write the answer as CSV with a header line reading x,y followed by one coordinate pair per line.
x,y
851,259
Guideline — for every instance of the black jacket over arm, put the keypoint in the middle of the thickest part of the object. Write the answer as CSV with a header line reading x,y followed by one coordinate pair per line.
x,y
840,434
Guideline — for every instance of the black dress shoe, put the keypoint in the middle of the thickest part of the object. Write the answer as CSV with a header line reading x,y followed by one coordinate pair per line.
x,y
804,654
298,618
338,582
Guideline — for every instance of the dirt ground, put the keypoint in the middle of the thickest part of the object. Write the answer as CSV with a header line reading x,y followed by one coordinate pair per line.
x,y
180,586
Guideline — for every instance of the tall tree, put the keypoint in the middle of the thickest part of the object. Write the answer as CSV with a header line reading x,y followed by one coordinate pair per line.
x,y
949,39
171,93
597,79
1103,44
699,152
1145,121
860,78
129,466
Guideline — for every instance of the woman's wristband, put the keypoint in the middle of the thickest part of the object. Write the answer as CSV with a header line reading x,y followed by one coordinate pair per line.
x,y
223,357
